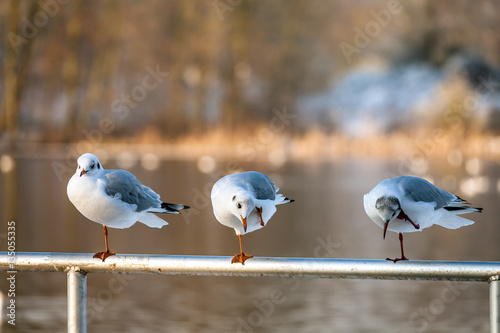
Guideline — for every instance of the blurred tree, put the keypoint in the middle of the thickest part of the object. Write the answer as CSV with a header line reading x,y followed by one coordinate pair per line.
x,y
17,56
226,68
71,68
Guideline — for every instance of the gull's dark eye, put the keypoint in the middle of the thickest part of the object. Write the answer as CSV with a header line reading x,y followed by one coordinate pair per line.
x,y
92,166
238,205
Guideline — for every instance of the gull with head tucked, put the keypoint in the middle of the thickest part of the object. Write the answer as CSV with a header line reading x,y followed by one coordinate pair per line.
x,y
245,202
409,204
114,198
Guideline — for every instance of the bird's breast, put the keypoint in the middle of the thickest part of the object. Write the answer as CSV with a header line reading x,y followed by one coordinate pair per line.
x,y
93,203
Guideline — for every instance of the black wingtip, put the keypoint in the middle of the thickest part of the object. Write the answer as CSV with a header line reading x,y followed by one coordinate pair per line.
x,y
458,208
289,200
454,208
173,207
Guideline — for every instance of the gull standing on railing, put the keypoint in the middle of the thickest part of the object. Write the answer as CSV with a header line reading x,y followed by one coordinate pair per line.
x,y
408,204
245,201
114,198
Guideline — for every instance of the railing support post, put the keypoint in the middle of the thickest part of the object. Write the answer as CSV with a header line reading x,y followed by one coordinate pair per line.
x,y
77,301
494,304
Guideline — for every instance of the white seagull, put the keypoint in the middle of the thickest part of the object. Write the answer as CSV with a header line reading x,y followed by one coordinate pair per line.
x,y
245,202
114,198
408,204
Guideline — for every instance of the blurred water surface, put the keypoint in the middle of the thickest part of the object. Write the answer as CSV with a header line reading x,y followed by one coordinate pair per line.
x,y
326,220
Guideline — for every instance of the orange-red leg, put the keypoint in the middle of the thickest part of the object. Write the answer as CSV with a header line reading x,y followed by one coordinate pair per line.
x,y
242,257
402,251
402,216
259,212
107,253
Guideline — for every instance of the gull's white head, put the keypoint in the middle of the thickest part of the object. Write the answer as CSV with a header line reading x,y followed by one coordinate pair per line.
x,y
241,205
88,164
388,207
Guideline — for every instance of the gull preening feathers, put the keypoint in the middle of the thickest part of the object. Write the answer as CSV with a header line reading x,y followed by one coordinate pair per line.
x,y
114,198
245,202
409,204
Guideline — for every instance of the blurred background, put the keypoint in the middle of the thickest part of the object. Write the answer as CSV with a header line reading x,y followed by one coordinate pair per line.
x,y
326,97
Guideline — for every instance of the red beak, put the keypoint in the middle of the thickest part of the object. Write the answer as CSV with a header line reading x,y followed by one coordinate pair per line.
x,y
83,172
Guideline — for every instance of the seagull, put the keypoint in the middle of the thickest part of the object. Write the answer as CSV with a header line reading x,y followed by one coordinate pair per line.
x,y
114,198
245,202
409,204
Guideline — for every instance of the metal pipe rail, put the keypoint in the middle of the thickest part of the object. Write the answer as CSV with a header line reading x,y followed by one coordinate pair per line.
x,y
77,266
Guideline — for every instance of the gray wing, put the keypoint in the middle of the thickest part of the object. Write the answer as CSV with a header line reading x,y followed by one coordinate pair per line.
x,y
123,185
418,189
261,185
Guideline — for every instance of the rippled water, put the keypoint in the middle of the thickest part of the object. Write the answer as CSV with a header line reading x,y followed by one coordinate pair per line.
x,y
327,219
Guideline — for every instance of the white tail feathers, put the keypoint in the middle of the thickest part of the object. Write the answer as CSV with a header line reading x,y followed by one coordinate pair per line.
x,y
280,199
151,220
452,221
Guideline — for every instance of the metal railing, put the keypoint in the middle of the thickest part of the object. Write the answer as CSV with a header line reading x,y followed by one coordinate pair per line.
x,y
77,266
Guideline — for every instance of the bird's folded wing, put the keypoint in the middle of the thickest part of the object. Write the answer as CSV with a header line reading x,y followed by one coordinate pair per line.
x,y
123,185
